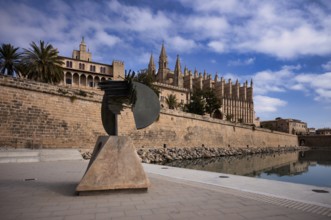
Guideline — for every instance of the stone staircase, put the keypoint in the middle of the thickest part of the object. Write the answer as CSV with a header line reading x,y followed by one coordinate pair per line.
x,y
38,155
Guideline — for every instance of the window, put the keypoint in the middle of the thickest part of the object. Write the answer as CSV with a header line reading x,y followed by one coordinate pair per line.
x,y
102,69
91,84
69,64
92,68
68,81
81,66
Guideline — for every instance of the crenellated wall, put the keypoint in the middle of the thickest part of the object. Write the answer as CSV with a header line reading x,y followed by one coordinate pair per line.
x,y
41,115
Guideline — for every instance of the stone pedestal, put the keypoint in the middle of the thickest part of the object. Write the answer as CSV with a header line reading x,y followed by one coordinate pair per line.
x,y
114,165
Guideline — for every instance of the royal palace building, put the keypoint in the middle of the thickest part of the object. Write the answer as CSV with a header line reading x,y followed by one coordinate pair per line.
x,y
81,71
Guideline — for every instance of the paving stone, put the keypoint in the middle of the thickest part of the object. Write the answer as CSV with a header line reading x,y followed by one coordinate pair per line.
x,y
52,196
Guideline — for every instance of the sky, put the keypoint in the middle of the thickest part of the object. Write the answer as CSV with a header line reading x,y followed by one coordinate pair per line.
x,y
284,46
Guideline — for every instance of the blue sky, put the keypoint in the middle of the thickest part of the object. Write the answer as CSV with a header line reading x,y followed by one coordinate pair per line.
x,y
284,46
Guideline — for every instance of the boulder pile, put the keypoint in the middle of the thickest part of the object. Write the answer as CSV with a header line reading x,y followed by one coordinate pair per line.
x,y
162,155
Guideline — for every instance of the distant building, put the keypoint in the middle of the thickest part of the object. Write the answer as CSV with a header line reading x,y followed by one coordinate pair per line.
x,y
236,99
81,71
323,131
311,131
291,126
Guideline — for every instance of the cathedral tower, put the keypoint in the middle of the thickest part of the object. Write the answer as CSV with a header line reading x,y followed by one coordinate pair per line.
x,y
163,65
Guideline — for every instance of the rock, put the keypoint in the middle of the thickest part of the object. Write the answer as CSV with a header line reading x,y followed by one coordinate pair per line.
x,y
159,155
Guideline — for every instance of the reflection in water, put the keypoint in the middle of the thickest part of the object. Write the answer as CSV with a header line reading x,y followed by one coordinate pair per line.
x,y
298,167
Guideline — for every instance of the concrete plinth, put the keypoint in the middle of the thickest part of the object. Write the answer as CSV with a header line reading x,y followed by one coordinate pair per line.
x,y
114,165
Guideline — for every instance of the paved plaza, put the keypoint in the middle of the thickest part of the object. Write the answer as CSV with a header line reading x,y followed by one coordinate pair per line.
x,y
46,190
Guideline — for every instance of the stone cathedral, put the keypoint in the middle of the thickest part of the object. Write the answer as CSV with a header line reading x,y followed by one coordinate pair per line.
x,y
236,99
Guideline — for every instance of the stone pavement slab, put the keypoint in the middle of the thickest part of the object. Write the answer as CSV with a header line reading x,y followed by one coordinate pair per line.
x,y
46,190
262,187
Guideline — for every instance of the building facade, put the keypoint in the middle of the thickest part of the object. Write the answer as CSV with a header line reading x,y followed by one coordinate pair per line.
x,y
236,99
81,71
323,131
290,126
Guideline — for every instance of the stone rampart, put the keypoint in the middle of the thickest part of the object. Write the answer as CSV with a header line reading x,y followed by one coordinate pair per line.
x,y
35,114
315,141
181,129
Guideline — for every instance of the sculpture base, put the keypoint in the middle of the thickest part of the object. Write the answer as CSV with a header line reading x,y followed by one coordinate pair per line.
x,y
114,165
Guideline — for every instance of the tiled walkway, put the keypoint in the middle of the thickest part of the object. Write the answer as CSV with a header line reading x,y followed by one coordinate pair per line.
x,y
45,190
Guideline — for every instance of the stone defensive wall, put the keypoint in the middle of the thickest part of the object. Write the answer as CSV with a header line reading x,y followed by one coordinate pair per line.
x,y
315,141
181,129
37,115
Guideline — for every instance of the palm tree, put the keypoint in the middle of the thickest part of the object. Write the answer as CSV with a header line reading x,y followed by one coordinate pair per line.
x,y
171,101
9,59
42,63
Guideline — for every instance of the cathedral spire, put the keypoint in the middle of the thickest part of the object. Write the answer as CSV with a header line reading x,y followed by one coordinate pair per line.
x,y
178,76
151,66
163,65
178,69
163,57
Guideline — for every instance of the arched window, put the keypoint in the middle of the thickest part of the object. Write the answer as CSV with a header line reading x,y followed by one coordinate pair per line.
x,y
92,68
68,78
81,66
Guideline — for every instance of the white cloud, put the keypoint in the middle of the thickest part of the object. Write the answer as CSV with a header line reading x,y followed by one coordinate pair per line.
x,y
239,62
206,26
181,44
284,29
265,104
272,81
327,66
103,38
217,46
216,6
318,84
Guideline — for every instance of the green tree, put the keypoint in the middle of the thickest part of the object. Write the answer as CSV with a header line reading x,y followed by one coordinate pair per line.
x,y
171,101
203,101
197,103
42,63
212,102
9,60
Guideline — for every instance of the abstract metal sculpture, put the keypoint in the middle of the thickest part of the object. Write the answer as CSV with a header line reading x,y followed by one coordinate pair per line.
x,y
114,163
145,104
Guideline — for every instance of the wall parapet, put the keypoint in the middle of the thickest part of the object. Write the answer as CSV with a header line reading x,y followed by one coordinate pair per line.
x,y
59,90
